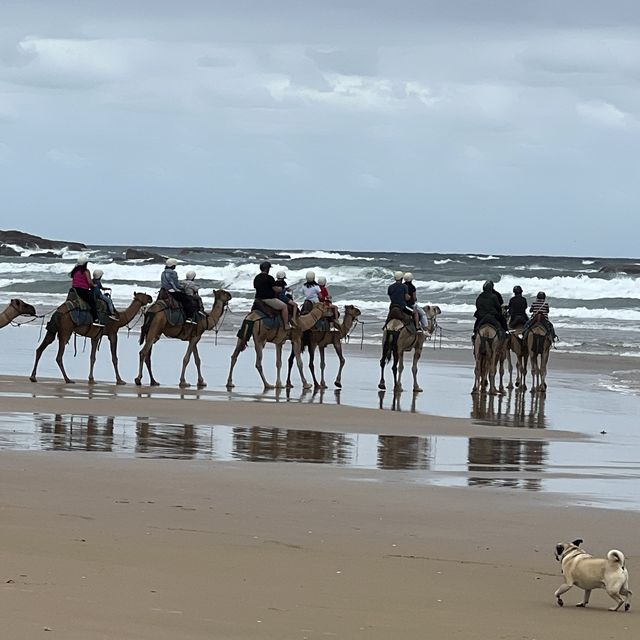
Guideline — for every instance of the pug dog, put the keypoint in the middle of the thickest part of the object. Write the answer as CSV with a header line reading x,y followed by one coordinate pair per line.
x,y
586,572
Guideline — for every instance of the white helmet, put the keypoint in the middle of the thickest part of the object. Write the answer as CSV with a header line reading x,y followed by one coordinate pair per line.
x,y
98,273
82,259
281,275
191,275
171,262
322,280
398,275
408,276
311,276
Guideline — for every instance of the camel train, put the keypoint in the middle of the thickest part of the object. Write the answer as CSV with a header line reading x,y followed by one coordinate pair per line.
x,y
491,351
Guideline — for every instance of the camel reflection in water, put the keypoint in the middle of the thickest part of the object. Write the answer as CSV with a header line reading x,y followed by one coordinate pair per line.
x,y
503,461
395,401
404,452
174,441
64,432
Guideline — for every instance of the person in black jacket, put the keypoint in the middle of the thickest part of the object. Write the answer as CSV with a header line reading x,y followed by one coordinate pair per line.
x,y
489,309
517,308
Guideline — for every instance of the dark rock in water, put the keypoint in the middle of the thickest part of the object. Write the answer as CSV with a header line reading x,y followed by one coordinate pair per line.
x,y
29,241
8,251
142,254
620,268
45,254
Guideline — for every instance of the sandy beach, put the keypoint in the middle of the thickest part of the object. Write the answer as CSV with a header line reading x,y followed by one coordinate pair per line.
x,y
108,533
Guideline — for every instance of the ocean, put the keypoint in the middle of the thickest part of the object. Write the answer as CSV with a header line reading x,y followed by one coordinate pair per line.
x,y
594,311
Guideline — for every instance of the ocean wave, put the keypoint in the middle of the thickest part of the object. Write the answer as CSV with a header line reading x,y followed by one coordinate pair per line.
x,y
447,261
586,262
321,255
482,257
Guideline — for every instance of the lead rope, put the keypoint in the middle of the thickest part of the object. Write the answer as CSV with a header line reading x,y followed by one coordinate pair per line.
x,y
219,325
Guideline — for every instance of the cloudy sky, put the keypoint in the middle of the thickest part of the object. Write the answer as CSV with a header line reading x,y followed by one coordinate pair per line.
x,y
479,125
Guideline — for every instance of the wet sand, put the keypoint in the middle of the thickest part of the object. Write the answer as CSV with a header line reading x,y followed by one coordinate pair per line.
x,y
98,546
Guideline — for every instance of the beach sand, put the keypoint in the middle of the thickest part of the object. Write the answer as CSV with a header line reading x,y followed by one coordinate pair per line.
x,y
99,546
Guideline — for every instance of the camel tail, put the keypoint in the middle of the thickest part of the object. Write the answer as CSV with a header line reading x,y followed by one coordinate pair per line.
x,y
52,325
616,556
148,317
389,345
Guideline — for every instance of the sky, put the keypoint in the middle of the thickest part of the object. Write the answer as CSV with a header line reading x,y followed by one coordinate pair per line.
x,y
408,125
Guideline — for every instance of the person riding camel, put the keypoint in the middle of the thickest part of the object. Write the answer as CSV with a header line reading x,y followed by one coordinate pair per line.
x,y
191,288
285,294
325,297
81,284
413,301
310,290
399,297
489,309
517,309
540,314
98,288
267,292
170,283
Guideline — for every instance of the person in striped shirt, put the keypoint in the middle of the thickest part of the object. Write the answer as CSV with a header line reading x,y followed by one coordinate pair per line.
x,y
540,306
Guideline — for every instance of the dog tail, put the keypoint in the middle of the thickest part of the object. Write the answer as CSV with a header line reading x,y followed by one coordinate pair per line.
x,y
616,556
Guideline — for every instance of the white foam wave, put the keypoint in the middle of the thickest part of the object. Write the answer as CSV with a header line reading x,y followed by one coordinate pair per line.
x,y
483,257
447,261
585,262
321,255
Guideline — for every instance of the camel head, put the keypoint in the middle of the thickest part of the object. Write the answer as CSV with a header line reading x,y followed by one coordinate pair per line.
x,y
223,296
432,312
23,308
143,298
352,311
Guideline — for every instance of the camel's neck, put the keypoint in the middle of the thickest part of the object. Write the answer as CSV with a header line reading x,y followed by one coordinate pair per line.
x,y
346,325
7,315
126,316
214,314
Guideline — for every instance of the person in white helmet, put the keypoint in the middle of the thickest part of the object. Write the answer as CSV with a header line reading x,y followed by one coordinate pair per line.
x,y
81,284
311,289
285,294
191,288
98,289
169,281
413,301
398,293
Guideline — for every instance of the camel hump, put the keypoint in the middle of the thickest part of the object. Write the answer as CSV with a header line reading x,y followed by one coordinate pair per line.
x,y
394,325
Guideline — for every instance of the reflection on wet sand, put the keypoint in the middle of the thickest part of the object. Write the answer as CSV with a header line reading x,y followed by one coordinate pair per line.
x,y
396,399
403,452
62,433
528,410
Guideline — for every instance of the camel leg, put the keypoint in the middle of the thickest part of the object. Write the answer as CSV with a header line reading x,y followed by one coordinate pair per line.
x,y
152,381
337,345
381,384
48,339
59,358
510,366
259,346
183,384
501,375
196,358
240,346
323,364
414,368
290,359
146,349
92,358
113,345
312,366
298,355
491,373
279,384
544,358
397,368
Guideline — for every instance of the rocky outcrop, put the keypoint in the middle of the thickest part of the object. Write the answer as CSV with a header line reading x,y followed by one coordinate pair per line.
x,y
9,252
29,241
630,269
142,254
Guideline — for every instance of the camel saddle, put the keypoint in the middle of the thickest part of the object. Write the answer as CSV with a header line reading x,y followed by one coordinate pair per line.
x,y
404,315
80,311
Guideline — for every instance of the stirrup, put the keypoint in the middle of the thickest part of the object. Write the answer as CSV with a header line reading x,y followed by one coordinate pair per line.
x,y
97,323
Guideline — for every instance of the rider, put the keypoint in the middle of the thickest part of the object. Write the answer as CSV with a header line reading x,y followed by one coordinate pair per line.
x,y
311,289
398,293
98,288
325,296
190,287
413,301
489,308
540,308
81,283
285,293
517,308
170,283
267,292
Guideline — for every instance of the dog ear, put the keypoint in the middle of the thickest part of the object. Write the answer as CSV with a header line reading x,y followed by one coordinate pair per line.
x,y
578,542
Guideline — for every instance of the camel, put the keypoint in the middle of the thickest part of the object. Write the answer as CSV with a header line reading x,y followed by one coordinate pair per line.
x,y
538,347
61,325
485,350
156,325
254,327
503,354
321,340
14,309
396,340
520,351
